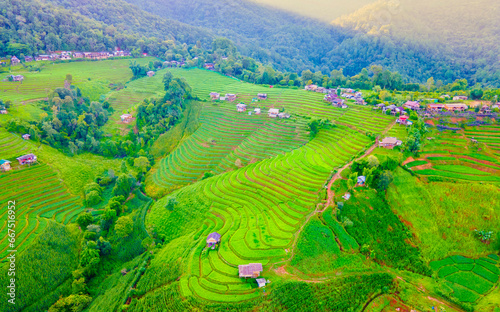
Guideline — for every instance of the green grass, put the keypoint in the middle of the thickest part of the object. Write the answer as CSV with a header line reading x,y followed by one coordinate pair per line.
x,y
443,216
36,84
461,169
416,163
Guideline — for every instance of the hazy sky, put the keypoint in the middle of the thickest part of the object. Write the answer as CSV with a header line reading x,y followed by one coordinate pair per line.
x,y
326,10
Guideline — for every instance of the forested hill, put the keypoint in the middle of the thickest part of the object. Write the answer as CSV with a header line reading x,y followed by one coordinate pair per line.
x,y
292,42
34,27
467,31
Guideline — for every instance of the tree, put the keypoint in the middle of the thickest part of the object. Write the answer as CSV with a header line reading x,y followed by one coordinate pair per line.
x,y
123,185
84,219
167,78
384,180
373,161
476,94
142,163
307,75
108,217
78,286
72,303
93,198
171,203
124,226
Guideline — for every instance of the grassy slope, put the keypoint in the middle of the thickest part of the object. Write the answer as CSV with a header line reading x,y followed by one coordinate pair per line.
x,y
36,84
443,216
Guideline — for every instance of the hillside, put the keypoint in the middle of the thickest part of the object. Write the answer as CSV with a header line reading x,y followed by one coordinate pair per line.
x,y
324,10
473,37
38,26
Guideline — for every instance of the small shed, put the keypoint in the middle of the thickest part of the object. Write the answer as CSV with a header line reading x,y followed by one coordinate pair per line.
x,y
4,165
257,111
230,97
126,118
14,60
262,96
460,98
150,73
3,111
26,136
213,239
250,270
413,105
361,180
403,120
283,115
346,196
261,282
241,107
311,87
273,112
27,159
214,96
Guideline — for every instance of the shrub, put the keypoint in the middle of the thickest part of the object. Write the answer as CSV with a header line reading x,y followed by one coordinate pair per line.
x,y
73,303
124,226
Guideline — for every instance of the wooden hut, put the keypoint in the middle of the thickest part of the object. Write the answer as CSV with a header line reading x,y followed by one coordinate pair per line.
x,y
213,239
241,107
262,96
126,118
251,270
4,165
27,159
273,112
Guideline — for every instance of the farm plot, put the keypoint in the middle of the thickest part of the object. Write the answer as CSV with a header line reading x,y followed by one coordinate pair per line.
x,y
468,279
256,209
227,140
452,158
36,84
39,196
489,135
12,145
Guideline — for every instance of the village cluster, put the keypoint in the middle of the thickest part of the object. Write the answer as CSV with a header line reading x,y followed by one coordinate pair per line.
x,y
242,107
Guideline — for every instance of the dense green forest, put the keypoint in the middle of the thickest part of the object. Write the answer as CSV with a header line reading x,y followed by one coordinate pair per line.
x,y
36,27
292,42
471,39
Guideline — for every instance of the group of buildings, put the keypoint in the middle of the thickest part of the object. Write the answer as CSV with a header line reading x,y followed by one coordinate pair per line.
x,y
68,55
27,159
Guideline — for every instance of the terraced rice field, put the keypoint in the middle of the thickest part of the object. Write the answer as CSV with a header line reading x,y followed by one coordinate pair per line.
x,y
468,279
258,209
12,145
251,138
489,135
39,195
450,156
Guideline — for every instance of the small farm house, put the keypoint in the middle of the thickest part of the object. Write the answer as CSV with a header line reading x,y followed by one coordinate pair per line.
x,y
241,107
230,97
150,73
257,111
262,96
214,96
251,270
26,136
27,159
3,111
261,282
389,142
361,180
213,239
273,112
4,165
126,118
